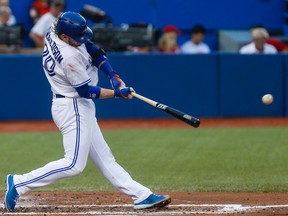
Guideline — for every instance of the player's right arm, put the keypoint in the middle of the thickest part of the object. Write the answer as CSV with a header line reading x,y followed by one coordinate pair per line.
x,y
88,91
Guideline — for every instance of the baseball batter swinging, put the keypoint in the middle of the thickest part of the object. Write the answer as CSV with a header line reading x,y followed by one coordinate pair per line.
x,y
71,62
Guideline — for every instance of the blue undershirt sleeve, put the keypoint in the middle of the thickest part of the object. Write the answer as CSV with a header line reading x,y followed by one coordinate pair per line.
x,y
98,56
88,91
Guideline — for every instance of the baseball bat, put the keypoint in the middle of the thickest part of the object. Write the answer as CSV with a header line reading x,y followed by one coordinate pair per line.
x,y
195,122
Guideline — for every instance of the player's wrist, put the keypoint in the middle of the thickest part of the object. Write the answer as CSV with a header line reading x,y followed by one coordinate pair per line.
x,y
116,93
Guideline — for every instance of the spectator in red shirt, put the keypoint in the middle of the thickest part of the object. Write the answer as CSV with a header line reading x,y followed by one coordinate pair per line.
x,y
38,8
278,44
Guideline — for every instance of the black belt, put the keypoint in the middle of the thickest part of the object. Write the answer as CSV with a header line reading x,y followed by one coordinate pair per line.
x,y
59,96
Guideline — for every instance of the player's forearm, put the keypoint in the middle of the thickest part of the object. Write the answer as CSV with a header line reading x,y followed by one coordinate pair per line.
x,y
106,93
94,92
109,93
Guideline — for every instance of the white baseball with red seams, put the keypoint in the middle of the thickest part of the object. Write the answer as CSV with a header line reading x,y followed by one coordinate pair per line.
x,y
267,99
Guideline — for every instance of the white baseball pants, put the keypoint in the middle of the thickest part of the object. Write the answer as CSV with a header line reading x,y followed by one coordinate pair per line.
x,y
82,137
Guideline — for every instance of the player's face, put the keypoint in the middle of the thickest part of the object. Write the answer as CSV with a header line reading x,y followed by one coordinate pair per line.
x,y
69,40
73,43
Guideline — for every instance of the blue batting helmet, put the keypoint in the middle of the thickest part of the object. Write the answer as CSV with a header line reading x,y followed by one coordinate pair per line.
x,y
74,25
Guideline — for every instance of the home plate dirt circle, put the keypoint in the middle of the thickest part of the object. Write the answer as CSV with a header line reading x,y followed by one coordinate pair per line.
x,y
115,203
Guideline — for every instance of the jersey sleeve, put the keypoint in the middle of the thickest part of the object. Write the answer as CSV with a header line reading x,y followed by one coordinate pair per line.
x,y
75,71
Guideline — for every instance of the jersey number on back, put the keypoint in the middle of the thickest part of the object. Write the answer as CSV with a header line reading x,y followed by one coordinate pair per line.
x,y
49,62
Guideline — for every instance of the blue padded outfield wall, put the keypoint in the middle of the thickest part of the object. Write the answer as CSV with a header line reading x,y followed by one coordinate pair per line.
x,y
215,85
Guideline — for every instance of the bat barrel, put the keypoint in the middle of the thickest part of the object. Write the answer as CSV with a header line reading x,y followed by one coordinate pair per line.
x,y
174,112
195,122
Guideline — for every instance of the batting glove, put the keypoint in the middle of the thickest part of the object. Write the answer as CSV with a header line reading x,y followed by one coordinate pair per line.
x,y
116,81
123,92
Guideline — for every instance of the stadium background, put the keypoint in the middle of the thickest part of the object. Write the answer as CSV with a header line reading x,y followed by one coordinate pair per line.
x,y
214,85
209,163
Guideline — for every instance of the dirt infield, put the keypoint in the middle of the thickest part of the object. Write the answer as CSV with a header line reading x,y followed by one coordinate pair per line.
x,y
114,203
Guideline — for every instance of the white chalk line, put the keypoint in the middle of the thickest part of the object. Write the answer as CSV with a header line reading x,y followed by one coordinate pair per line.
x,y
219,209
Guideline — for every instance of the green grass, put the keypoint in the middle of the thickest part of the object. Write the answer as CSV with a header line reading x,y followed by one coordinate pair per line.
x,y
215,159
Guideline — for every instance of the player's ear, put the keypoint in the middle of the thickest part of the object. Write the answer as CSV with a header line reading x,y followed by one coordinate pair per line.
x,y
63,37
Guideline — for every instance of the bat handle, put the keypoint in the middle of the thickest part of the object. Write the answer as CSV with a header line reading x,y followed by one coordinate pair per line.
x,y
147,100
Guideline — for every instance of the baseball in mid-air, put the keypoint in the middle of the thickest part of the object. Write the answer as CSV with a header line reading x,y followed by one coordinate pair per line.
x,y
267,99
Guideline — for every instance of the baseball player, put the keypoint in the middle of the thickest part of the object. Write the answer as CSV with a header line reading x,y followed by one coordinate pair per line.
x,y
71,64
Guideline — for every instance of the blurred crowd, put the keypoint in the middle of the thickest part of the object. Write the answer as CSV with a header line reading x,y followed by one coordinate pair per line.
x,y
44,12
43,15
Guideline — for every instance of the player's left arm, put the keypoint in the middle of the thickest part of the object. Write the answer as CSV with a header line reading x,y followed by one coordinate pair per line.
x,y
100,60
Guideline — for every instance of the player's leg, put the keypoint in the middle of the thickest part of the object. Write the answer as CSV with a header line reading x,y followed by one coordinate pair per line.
x,y
68,166
103,158
66,114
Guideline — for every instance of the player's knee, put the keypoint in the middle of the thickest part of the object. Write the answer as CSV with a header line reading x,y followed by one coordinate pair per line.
x,y
76,170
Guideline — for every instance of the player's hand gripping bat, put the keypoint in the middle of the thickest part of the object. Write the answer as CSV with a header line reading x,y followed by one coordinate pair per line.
x,y
174,112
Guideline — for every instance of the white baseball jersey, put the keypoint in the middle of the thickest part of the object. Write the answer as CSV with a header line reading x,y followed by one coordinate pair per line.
x,y
191,48
67,67
251,49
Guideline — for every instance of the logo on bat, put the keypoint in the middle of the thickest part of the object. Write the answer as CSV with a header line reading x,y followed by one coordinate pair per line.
x,y
161,106
187,117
